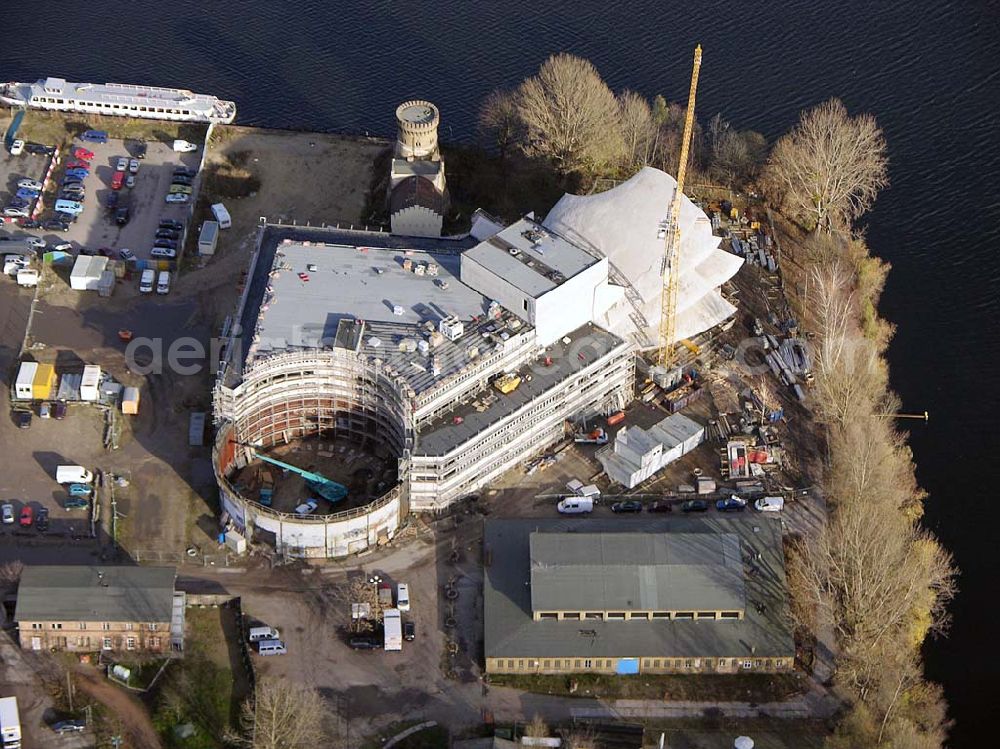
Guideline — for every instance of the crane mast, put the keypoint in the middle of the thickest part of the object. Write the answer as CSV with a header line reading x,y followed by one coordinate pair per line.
x,y
670,269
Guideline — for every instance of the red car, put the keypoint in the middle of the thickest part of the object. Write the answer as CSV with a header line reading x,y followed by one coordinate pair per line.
x,y
78,165
27,516
82,153
118,181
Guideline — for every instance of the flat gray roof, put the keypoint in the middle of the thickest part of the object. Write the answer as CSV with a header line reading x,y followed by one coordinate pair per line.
x,y
510,631
302,307
95,593
636,572
552,258
465,418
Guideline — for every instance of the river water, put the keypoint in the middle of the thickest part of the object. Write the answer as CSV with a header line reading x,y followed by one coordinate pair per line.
x,y
928,69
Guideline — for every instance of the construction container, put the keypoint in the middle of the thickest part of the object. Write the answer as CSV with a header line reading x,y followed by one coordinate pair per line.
x,y
90,383
208,238
25,380
235,542
196,429
44,382
616,418
130,401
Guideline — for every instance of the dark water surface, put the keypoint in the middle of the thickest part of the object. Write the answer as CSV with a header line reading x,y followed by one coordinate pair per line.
x,y
927,69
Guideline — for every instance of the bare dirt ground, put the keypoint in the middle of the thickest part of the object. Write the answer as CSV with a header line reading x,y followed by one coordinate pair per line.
x,y
127,710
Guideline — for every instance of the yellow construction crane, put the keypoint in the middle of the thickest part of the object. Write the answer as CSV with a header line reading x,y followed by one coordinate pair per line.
x,y
670,269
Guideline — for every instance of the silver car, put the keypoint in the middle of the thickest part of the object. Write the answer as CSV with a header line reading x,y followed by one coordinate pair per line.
x,y
8,513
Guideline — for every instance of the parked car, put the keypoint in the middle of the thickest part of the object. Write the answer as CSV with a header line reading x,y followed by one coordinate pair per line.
x,y
82,153
16,211
733,504
27,516
77,172
769,504
64,216
76,503
7,509
69,206
69,726
630,506
95,136
163,252
167,234
130,181
63,247
118,181
176,197
22,419
45,411
659,506
168,223
180,179
42,519
409,631
30,184
17,148
307,508
364,643
54,224
36,242
165,243
695,505
112,200
122,164
24,194
126,254
39,149
180,189
183,171
133,166
30,223
79,490
74,187
59,410
122,215
77,164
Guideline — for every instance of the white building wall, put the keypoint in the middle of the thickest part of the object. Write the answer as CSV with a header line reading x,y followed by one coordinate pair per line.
x,y
490,285
570,305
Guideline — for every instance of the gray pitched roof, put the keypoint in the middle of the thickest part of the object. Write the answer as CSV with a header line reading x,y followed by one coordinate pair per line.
x,y
95,593
636,572
510,631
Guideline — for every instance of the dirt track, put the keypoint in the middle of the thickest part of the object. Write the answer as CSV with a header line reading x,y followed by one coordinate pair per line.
x,y
127,710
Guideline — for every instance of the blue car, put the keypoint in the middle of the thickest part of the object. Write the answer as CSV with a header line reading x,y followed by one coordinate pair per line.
x,y
95,136
25,194
79,490
72,180
733,504
77,172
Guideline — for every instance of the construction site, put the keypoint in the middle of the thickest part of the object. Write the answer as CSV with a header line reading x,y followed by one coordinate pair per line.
x,y
367,375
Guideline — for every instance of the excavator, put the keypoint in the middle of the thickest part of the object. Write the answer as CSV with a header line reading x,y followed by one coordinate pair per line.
x,y
329,490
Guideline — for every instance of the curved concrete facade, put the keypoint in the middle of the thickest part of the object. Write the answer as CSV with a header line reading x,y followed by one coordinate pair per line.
x,y
302,394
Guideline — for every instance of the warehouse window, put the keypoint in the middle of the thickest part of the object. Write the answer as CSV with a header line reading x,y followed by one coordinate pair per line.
x,y
661,614
106,643
587,663
730,614
616,615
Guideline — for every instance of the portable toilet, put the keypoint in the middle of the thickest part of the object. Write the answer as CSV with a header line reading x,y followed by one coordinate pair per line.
x,y
44,382
23,386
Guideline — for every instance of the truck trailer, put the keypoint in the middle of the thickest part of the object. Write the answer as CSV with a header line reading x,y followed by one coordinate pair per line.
x,y
393,625
10,723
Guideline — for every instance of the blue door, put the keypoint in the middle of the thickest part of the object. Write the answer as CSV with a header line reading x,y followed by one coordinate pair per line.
x,y
627,666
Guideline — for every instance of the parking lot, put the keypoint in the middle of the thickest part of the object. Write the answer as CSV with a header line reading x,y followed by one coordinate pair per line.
x,y
14,168
96,227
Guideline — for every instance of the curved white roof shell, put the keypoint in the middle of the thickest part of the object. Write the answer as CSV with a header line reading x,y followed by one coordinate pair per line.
x,y
627,225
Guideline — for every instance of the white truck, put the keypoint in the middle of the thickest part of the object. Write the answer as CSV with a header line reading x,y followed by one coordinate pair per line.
x,y
146,281
73,475
10,723
392,622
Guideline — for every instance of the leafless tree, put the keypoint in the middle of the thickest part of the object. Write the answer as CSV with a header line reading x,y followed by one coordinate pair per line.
x,y
638,129
10,573
282,715
733,157
828,170
500,124
537,728
571,115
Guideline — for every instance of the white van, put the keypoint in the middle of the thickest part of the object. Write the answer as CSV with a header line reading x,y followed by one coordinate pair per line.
x,y
163,282
222,215
73,475
271,647
575,505
769,504
257,634
403,597
146,281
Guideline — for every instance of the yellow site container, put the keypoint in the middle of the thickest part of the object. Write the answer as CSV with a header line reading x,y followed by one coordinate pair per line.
x,y
45,380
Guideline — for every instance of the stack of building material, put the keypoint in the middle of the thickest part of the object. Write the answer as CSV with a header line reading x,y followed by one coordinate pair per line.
x,y
638,453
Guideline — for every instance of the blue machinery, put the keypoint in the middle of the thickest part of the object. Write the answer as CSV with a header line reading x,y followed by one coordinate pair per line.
x,y
331,491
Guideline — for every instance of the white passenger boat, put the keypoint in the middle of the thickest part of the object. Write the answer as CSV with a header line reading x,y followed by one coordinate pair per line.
x,y
123,99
